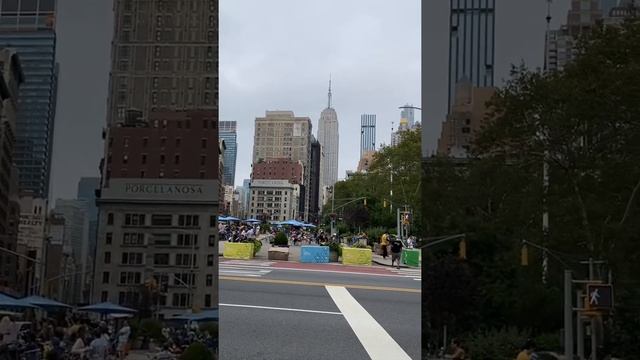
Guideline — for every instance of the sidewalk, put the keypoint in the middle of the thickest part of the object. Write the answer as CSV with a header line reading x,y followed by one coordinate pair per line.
x,y
378,259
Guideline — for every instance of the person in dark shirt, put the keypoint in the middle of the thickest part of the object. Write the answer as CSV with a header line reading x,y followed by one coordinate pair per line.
x,y
396,250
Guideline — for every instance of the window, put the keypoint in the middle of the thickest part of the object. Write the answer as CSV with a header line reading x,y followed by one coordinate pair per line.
x,y
161,259
212,240
110,219
203,143
161,220
125,159
130,278
213,221
177,159
466,130
201,174
144,159
209,280
185,259
182,300
205,124
133,239
207,300
131,258
209,260
182,279
161,239
187,239
145,142
107,257
134,219
129,298
203,160
104,296
188,220
178,141
108,238
105,277
142,173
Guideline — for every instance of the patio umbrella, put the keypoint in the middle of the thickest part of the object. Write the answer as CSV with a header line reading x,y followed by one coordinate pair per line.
x,y
231,218
207,315
252,221
45,303
308,225
107,308
292,223
7,302
222,218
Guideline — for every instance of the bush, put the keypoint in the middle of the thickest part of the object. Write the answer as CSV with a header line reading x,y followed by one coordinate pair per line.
x,y
333,246
361,246
504,344
257,245
151,328
280,239
211,328
375,233
548,342
197,351
264,228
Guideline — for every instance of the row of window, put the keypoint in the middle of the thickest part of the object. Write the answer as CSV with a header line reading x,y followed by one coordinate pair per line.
x,y
164,259
163,140
161,175
178,300
176,158
133,219
135,278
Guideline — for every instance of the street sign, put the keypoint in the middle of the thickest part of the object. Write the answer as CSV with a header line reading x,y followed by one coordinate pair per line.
x,y
599,297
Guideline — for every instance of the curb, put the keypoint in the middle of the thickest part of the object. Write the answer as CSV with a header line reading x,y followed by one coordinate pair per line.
x,y
387,265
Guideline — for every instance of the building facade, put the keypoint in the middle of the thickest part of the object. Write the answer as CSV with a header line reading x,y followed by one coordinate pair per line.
x,y
282,135
11,77
329,139
161,176
164,57
314,184
162,231
464,120
274,200
367,133
76,215
28,28
87,187
229,135
279,169
365,161
471,44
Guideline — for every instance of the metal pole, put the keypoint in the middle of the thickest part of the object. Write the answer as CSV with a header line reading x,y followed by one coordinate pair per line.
x,y
568,316
398,224
579,327
594,339
333,203
444,343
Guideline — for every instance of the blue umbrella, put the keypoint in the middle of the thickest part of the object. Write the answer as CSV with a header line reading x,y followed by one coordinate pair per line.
x,y
207,315
107,308
308,225
252,221
222,218
7,302
45,303
292,223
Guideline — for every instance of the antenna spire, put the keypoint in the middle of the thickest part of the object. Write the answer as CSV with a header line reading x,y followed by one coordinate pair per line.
x,y
546,38
329,106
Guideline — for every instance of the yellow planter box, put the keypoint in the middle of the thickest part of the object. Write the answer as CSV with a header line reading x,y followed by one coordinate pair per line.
x,y
238,251
356,256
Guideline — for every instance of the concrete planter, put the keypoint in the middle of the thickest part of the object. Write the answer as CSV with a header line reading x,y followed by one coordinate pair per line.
x,y
279,253
238,250
377,248
356,256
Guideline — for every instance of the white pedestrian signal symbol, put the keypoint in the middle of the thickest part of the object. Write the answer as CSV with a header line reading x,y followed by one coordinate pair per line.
x,y
595,295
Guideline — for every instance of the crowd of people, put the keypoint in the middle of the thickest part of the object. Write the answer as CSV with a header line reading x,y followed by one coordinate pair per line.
x,y
234,232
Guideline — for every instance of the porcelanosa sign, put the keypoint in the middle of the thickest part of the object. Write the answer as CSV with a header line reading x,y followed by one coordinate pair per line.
x,y
163,189
188,190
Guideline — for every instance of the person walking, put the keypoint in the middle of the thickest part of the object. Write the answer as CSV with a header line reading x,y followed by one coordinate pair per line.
x,y
123,339
458,351
396,250
526,351
384,243
99,347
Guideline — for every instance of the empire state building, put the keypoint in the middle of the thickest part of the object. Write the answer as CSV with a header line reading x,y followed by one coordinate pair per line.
x,y
328,139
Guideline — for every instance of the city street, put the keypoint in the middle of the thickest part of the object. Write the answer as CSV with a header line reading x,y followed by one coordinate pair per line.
x,y
280,310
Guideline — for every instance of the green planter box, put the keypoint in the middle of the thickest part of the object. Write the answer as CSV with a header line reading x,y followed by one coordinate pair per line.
x,y
356,256
411,257
242,251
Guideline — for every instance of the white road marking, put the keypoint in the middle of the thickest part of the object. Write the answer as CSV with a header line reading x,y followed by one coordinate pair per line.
x,y
282,309
315,270
373,337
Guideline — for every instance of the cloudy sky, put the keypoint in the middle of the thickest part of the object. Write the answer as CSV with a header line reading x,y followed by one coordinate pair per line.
x,y
278,55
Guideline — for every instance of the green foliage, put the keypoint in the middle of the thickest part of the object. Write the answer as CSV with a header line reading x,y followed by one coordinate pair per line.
x,y
265,227
375,233
257,245
343,229
503,344
334,246
280,239
211,328
151,328
588,114
361,246
197,351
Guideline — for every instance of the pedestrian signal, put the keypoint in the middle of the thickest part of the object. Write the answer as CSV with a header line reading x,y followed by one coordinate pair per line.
x,y
524,255
463,249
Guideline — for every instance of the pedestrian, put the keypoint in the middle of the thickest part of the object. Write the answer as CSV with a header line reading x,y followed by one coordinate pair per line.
x,y
99,347
396,250
384,243
526,351
458,351
123,339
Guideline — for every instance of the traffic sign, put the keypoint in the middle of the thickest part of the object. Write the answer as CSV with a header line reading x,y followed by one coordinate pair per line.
x,y
599,297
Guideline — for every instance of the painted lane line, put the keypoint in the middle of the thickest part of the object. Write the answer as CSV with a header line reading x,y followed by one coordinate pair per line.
x,y
245,271
308,283
336,272
282,309
373,337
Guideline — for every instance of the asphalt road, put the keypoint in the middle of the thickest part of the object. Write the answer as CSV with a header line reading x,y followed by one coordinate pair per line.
x,y
317,312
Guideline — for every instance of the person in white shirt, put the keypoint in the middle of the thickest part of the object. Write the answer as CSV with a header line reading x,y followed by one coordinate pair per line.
x,y
123,339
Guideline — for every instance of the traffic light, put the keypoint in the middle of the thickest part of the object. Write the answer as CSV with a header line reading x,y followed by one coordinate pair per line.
x,y
365,202
384,204
463,248
524,255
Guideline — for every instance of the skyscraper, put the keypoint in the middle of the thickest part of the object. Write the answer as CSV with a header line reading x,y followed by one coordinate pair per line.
x,y
367,134
161,173
471,43
329,143
408,112
28,28
227,132
87,187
